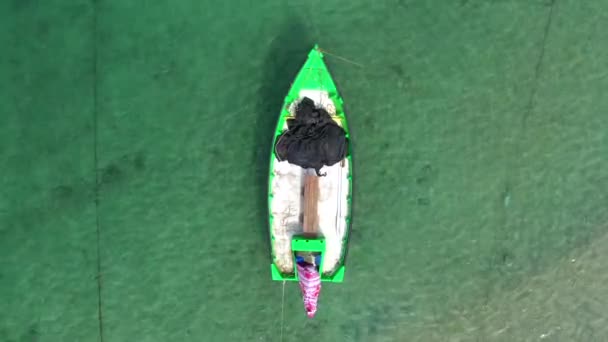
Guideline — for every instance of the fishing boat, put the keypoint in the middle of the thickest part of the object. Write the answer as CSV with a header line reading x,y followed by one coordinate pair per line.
x,y
310,210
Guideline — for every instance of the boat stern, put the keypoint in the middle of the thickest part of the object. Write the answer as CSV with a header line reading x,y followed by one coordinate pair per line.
x,y
316,246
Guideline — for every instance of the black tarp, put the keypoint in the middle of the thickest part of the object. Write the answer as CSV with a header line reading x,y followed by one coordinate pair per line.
x,y
312,139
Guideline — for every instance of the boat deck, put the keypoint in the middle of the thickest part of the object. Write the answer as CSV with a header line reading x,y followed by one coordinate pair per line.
x,y
287,208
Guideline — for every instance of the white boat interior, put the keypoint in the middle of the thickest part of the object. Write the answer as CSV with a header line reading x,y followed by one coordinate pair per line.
x,y
288,198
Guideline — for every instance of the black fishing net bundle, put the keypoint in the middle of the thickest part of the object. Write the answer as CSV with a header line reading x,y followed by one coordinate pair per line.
x,y
312,139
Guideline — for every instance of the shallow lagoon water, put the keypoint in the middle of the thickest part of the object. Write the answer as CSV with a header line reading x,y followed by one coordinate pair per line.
x,y
479,133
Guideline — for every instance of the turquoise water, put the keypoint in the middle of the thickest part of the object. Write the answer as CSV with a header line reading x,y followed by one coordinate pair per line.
x,y
480,141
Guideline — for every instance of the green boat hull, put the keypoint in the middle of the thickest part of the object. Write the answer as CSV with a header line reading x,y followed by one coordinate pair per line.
x,y
313,78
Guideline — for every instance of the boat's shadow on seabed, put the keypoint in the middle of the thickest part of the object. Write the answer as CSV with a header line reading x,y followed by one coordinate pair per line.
x,y
283,60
